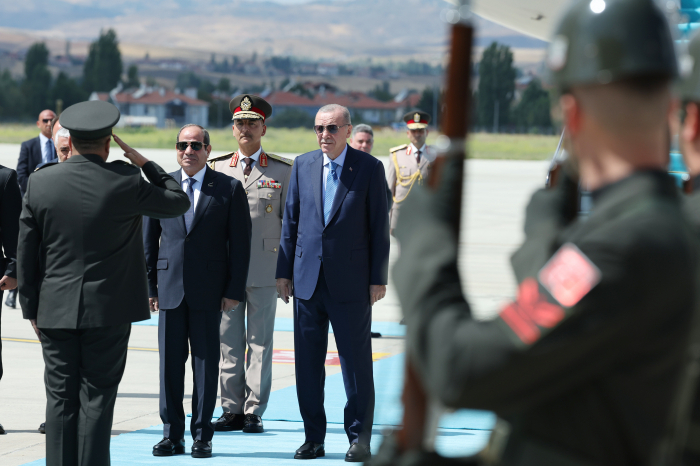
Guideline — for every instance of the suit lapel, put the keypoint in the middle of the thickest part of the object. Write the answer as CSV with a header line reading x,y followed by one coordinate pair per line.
x,y
177,176
346,178
205,194
317,182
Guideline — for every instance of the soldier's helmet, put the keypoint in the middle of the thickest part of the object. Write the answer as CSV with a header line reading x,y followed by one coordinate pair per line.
x,y
605,41
689,62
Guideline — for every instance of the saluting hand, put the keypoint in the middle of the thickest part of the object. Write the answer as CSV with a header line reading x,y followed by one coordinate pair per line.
x,y
284,289
228,305
376,292
131,154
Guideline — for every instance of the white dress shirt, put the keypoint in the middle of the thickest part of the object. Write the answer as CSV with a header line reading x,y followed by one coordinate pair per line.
x,y
340,160
414,150
255,156
199,176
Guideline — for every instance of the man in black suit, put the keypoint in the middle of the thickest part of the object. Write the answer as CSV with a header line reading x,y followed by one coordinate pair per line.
x,y
82,277
32,153
197,268
10,207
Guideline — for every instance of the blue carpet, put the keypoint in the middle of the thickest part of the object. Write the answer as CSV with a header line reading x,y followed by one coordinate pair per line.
x,y
461,434
286,324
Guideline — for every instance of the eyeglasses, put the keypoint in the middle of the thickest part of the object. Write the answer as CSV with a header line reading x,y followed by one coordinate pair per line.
x,y
47,120
196,145
332,129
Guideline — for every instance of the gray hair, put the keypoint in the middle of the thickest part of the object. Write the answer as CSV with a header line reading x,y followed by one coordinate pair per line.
x,y
362,128
61,133
331,108
206,133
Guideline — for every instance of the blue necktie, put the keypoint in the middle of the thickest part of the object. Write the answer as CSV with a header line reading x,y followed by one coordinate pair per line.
x,y
331,187
189,215
50,152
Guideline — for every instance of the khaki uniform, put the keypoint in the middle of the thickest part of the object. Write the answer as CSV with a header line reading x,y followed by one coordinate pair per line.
x,y
404,173
246,391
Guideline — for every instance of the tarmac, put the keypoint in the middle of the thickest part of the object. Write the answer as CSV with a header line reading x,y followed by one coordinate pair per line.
x,y
496,194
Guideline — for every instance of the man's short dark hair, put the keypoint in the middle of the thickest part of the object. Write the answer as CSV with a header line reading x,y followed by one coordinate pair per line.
x,y
88,146
206,133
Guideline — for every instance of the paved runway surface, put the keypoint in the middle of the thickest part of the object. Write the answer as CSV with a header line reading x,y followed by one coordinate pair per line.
x,y
496,195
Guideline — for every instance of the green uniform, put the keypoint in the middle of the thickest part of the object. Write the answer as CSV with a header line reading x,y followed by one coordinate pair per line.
x,y
584,362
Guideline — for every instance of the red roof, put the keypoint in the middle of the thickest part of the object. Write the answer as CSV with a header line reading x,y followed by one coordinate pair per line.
x,y
155,98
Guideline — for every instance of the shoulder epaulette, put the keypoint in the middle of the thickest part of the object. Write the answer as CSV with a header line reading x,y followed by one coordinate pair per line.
x,y
397,148
281,159
47,164
221,157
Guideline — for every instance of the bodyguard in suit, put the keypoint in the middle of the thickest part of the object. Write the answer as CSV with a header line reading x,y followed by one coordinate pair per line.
x,y
10,208
246,379
82,218
197,269
409,164
334,257
36,150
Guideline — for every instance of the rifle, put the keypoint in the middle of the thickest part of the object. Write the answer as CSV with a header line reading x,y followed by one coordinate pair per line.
x,y
420,416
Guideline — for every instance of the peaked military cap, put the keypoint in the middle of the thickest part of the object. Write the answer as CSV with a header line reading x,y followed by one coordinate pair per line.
x,y
249,107
605,41
417,119
90,120
689,87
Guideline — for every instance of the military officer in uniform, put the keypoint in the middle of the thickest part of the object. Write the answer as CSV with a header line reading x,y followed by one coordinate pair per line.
x,y
409,164
582,366
82,218
246,380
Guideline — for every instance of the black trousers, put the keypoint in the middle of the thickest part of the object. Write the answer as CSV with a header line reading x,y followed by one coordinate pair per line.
x,y
83,371
201,328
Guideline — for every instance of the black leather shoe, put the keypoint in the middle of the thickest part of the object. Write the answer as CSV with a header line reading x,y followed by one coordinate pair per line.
x,y
309,451
2,431
358,453
167,447
42,428
229,421
253,424
11,300
201,449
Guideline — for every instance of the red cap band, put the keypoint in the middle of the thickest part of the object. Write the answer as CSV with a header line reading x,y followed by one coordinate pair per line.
x,y
252,109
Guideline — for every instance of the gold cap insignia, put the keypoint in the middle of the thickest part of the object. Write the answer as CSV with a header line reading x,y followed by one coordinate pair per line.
x,y
246,104
416,118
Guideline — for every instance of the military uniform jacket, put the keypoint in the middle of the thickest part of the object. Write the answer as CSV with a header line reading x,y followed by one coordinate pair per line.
x,y
586,359
405,173
84,217
266,188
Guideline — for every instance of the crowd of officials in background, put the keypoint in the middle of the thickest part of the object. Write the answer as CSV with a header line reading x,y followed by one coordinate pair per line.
x,y
222,240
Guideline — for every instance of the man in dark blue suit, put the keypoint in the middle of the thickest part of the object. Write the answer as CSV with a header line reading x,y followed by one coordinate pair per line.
x,y
197,268
334,254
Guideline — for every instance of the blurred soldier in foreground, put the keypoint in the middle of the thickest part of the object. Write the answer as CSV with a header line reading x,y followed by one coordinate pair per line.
x,y
689,143
409,164
83,217
246,379
583,365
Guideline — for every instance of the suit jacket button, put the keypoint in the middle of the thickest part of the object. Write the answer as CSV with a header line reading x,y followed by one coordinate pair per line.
x,y
324,235
319,258
187,239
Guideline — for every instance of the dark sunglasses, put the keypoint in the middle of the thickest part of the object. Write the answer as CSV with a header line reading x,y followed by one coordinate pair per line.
x,y
196,145
332,129
47,120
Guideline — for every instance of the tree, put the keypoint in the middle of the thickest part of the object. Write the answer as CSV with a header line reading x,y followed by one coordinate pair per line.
x,y
37,78
12,101
533,111
427,103
382,92
496,85
291,118
189,79
224,85
133,77
103,67
68,90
